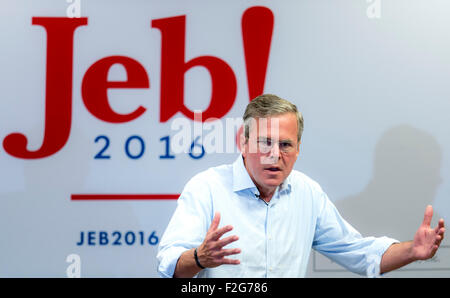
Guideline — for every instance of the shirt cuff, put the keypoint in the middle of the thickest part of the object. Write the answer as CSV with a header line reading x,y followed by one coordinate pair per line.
x,y
375,253
168,261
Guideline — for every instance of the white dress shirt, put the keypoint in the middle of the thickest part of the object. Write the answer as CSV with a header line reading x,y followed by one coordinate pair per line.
x,y
275,238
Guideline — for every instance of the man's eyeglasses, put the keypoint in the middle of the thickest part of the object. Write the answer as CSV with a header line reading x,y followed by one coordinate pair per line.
x,y
266,144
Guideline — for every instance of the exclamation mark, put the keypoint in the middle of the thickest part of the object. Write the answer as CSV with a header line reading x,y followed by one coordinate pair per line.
x,y
257,28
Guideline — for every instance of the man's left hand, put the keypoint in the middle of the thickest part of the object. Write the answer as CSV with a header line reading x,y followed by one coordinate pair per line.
x,y
427,240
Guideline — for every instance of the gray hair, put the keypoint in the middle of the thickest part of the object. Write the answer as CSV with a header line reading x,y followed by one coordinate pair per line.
x,y
267,105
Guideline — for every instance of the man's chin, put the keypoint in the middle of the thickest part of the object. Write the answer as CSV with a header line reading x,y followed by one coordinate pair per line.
x,y
273,182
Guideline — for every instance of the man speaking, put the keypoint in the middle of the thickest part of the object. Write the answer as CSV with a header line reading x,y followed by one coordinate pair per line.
x,y
277,214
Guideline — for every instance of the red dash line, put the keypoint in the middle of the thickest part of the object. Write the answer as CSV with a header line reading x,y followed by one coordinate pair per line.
x,y
128,197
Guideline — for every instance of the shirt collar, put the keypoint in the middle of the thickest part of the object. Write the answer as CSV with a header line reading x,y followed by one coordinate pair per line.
x,y
242,180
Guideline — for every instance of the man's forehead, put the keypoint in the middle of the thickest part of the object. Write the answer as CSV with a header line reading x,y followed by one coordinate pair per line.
x,y
271,126
265,126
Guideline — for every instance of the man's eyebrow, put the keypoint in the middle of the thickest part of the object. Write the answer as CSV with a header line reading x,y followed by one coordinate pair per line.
x,y
271,139
264,138
286,141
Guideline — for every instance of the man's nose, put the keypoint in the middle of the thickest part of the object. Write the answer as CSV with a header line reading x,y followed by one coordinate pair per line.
x,y
275,152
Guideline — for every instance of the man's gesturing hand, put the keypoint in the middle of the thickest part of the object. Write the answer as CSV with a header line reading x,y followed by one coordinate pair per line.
x,y
427,240
211,253
425,244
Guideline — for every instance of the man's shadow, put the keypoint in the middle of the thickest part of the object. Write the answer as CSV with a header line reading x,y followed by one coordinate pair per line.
x,y
406,176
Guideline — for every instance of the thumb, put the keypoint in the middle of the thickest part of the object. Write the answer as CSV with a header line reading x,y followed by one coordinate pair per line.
x,y
428,215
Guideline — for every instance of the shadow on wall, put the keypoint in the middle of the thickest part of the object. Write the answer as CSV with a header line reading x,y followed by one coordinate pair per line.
x,y
405,179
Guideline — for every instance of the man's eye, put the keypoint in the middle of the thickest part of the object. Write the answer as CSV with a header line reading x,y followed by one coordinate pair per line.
x,y
265,142
285,145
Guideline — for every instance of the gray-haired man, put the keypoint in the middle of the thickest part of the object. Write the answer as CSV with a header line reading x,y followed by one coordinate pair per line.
x,y
279,213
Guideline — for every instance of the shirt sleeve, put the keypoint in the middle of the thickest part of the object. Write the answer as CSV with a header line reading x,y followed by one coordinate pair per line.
x,y
339,241
187,227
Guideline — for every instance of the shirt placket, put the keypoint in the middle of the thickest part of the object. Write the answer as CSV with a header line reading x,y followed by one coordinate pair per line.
x,y
270,236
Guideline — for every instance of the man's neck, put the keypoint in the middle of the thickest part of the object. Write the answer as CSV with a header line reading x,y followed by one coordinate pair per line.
x,y
265,195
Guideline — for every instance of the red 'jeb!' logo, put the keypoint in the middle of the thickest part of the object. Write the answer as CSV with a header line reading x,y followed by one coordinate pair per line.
x,y
257,28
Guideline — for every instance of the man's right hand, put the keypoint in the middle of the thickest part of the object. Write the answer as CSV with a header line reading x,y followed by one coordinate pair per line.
x,y
211,252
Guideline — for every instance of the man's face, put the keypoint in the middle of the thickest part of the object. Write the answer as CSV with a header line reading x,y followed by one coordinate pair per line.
x,y
271,150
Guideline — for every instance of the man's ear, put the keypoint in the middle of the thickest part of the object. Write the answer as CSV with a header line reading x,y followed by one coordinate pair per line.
x,y
243,145
298,148
240,141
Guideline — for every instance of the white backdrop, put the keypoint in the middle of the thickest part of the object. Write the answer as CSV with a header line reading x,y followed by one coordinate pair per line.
x,y
370,77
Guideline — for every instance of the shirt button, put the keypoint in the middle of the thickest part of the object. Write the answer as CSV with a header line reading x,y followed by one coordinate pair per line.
x,y
270,237
270,269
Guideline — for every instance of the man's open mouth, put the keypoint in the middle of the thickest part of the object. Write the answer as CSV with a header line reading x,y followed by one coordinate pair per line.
x,y
273,169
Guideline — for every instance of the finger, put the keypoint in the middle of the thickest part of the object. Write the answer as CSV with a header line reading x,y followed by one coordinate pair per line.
x,y
439,239
218,233
439,226
428,215
215,222
441,233
437,243
223,242
230,261
227,252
